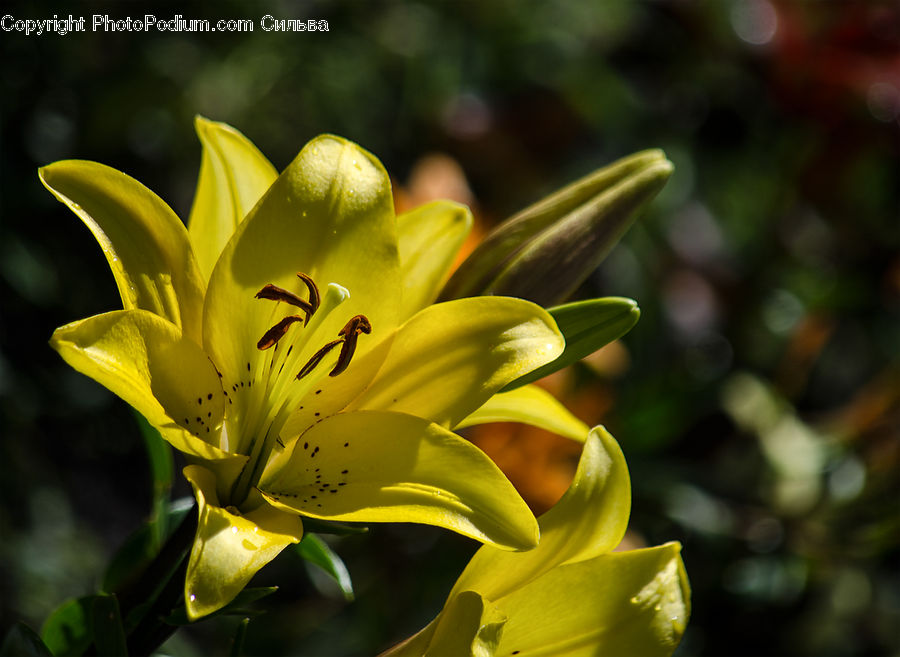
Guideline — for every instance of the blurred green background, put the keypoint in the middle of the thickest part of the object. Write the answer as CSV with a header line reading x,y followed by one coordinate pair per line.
x,y
757,401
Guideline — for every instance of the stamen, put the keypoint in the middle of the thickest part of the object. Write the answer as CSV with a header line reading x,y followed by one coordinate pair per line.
x,y
356,325
347,339
274,334
275,293
314,296
317,358
350,332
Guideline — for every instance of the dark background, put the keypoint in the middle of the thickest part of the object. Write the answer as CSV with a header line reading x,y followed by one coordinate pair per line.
x,y
756,401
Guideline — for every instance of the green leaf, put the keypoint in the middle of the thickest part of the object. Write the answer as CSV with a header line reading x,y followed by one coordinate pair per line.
x,y
140,548
22,641
334,528
237,645
162,471
109,636
68,630
587,326
237,607
316,551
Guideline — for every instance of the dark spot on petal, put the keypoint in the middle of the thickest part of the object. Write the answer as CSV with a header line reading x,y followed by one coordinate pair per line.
x,y
305,445
187,421
344,471
343,483
248,366
317,414
318,391
199,419
346,444
209,414
199,400
312,497
209,396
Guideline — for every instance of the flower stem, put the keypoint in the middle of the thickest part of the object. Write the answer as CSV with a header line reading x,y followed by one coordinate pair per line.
x,y
145,604
159,571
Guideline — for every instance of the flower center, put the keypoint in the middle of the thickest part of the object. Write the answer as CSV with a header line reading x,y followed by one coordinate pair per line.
x,y
272,403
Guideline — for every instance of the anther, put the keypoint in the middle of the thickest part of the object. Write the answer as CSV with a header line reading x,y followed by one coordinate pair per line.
x,y
347,339
317,358
277,332
314,296
275,293
350,332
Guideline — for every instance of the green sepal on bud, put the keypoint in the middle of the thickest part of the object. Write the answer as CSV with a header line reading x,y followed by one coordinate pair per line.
x,y
587,326
547,250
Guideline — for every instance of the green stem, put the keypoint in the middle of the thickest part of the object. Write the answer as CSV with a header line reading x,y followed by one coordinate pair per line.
x,y
152,631
160,588
163,566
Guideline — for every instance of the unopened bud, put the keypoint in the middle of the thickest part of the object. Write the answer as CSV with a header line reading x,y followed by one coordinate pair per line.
x,y
547,250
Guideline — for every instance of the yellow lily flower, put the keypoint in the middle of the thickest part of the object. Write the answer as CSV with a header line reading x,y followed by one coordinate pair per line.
x,y
295,373
570,596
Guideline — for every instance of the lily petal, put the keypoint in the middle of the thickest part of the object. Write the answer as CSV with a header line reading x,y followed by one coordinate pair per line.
x,y
429,238
233,177
145,243
449,359
148,362
329,215
229,548
377,466
589,520
469,626
624,603
530,405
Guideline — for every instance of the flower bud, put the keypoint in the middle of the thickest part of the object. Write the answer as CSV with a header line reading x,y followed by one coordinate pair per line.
x,y
547,250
